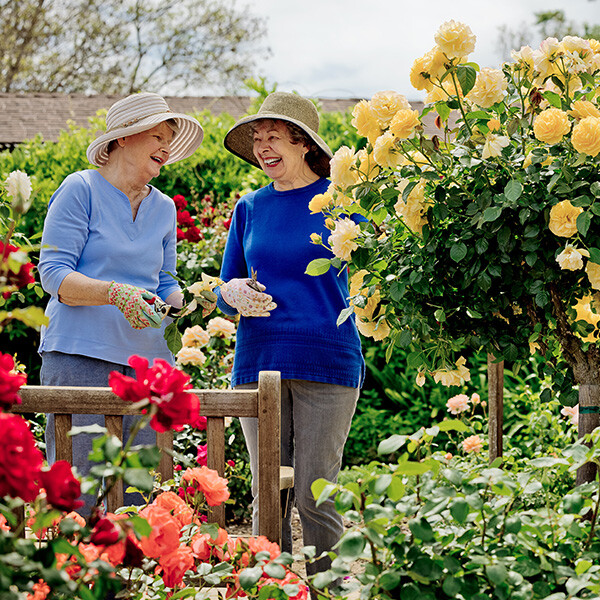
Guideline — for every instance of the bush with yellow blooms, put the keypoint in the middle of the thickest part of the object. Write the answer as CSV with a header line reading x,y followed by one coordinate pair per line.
x,y
486,234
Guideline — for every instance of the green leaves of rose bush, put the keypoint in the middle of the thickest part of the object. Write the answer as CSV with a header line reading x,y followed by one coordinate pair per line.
x,y
463,529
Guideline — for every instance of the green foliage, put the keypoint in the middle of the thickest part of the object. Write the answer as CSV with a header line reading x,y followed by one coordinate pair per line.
x,y
432,527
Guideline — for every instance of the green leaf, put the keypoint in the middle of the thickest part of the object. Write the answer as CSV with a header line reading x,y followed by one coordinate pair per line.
x,y
322,490
421,529
553,99
389,580
466,77
173,337
139,478
443,110
452,425
458,252
594,255
459,509
249,577
491,214
410,467
595,189
318,266
513,190
274,570
497,574
391,444
351,545
583,222
344,314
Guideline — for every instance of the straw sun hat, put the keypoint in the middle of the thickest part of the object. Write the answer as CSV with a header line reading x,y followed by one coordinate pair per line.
x,y
140,112
285,107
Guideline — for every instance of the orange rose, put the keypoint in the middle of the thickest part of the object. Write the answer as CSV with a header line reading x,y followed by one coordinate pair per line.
x,y
203,546
209,483
176,506
165,531
175,564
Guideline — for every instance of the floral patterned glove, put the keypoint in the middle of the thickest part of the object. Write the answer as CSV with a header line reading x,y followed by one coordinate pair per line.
x,y
250,301
135,303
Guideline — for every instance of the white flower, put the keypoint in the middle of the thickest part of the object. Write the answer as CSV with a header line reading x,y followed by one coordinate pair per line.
x,y
342,238
571,258
18,186
493,145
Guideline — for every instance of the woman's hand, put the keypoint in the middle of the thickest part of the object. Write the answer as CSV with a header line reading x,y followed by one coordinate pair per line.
x,y
247,300
135,303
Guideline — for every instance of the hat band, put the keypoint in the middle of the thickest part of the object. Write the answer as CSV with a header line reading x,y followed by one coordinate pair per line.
x,y
133,121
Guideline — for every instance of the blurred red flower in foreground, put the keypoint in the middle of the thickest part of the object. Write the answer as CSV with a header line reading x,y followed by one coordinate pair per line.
x,y
10,381
15,270
164,387
62,488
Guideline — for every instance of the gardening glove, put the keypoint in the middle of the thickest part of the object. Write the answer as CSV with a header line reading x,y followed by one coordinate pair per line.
x,y
135,303
248,297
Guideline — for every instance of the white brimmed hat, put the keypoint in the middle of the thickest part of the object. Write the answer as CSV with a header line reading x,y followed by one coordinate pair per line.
x,y
140,112
283,106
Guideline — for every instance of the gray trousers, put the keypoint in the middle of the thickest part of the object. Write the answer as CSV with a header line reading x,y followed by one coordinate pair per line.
x,y
315,422
82,371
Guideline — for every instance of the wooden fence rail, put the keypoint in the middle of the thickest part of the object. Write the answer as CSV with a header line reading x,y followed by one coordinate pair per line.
x,y
263,403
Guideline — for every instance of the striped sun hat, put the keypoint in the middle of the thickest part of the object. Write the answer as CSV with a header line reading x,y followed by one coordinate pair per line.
x,y
140,112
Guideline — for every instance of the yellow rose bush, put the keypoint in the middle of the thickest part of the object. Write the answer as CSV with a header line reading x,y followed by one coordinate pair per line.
x,y
483,234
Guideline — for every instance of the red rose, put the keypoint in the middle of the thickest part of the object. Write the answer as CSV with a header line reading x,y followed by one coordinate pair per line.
x,y
105,533
62,488
14,280
193,234
227,223
202,456
20,459
10,382
180,235
180,202
184,219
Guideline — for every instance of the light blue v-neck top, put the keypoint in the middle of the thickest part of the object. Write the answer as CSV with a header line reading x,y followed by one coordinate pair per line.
x,y
89,228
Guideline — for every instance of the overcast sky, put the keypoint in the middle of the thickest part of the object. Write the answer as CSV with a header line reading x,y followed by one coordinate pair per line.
x,y
354,48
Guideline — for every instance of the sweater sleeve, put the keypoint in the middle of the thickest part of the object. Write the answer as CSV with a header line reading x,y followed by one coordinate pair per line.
x,y
65,232
234,262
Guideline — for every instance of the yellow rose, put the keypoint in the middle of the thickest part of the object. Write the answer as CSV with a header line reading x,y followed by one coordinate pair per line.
x,y
220,327
593,272
584,309
368,166
343,168
365,121
342,238
385,151
207,284
420,77
339,198
404,123
378,330
584,108
586,136
563,219
490,87
551,125
320,202
571,258
413,210
455,39
457,376
493,145
420,379
523,58
190,355
443,92
544,59
493,124
195,336
315,238
384,105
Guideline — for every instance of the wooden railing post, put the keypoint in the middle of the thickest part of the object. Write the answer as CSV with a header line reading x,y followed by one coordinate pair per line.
x,y
495,371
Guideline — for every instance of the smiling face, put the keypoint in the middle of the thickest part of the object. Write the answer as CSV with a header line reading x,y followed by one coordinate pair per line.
x,y
278,156
149,150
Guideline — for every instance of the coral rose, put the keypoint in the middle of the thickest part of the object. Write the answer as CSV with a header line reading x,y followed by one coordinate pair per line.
x,y
586,136
563,219
455,39
472,444
175,564
572,412
176,506
458,404
551,125
209,483
164,537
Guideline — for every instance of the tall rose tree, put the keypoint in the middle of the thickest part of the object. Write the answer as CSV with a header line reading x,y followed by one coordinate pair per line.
x,y
485,234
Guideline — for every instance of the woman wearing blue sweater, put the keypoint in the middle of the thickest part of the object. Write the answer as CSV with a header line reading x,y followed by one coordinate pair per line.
x,y
292,329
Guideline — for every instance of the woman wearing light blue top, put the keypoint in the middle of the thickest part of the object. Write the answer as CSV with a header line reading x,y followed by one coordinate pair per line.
x,y
292,328
108,244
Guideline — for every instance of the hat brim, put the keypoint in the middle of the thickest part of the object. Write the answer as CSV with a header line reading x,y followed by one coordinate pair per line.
x,y
184,144
239,141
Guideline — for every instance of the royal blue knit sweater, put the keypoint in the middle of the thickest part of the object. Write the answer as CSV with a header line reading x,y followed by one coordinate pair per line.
x,y
270,232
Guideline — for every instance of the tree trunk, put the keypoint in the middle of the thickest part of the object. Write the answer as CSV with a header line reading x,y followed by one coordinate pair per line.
x,y
496,406
589,419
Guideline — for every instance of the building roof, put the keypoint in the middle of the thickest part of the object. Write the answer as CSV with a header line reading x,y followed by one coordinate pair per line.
x,y
23,116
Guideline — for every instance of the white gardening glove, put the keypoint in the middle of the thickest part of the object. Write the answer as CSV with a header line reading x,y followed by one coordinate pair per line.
x,y
247,297
135,303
